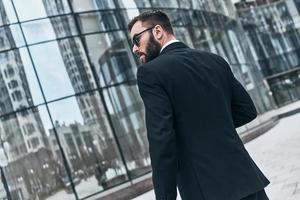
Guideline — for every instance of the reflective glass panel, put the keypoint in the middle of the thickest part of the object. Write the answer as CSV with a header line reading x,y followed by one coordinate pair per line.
x,y
18,84
179,17
24,9
165,3
99,21
31,170
198,4
33,9
49,29
56,7
10,37
185,4
8,14
182,34
2,189
134,4
88,142
111,56
127,113
86,5
62,63
129,14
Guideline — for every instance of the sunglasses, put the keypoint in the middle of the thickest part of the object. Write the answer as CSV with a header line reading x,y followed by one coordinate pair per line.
x,y
136,37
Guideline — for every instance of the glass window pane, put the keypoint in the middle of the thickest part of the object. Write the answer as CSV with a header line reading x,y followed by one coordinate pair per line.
x,y
2,189
56,7
134,4
185,3
18,84
165,3
127,113
31,170
198,4
112,57
29,9
182,34
33,9
63,68
86,137
17,35
10,37
129,14
8,14
29,78
49,29
85,5
38,31
179,17
99,21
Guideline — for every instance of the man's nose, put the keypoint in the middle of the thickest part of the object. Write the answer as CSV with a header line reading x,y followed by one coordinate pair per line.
x,y
135,49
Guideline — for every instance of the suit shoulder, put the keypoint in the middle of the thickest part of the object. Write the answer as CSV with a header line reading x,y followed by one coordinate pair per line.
x,y
208,54
159,64
146,74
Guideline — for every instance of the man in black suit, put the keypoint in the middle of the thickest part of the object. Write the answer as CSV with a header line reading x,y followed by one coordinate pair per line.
x,y
193,104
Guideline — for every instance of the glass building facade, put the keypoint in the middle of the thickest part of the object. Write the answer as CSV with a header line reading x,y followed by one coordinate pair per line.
x,y
273,32
71,118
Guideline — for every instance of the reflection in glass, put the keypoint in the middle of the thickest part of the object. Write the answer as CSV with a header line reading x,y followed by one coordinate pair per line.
x,y
128,14
86,5
85,135
127,113
18,85
56,7
28,76
49,29
2,189
62,63
8,15
286,89
166,3
183,34
185,4
51,70
24,9
274,44
134,3
10,37
30,171
111,57
99,21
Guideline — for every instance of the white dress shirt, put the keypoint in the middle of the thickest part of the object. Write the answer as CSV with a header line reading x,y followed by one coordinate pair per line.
x,y
168,43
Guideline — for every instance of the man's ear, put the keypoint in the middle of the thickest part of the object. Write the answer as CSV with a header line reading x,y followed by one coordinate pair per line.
x,y
158,32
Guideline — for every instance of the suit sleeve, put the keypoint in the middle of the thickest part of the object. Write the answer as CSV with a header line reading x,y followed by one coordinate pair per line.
x,y
160,132
242,106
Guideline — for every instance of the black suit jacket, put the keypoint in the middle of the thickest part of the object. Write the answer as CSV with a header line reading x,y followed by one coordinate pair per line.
x,y
193,104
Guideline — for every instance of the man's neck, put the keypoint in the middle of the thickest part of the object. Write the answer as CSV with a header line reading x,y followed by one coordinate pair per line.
x,y
168,42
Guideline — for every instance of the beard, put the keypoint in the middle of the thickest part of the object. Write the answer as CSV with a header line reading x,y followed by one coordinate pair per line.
x,y
152,49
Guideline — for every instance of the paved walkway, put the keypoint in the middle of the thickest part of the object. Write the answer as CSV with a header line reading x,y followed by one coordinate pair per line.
x,y
277,153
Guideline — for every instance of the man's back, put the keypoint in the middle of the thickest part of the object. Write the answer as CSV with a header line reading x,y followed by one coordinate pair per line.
x,y
193,105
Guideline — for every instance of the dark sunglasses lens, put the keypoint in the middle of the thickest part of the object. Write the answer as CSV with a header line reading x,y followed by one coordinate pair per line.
x,y
135,42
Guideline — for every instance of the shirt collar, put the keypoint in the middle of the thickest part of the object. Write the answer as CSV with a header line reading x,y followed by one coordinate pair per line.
x,y
168,43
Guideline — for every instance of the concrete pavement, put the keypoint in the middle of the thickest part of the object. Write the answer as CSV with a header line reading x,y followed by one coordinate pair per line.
x,y
277,153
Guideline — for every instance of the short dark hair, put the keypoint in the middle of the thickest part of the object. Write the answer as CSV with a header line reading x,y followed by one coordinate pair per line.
x,y
152,18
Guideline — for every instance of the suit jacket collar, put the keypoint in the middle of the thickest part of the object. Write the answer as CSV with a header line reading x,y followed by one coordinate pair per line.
x,y
175,45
